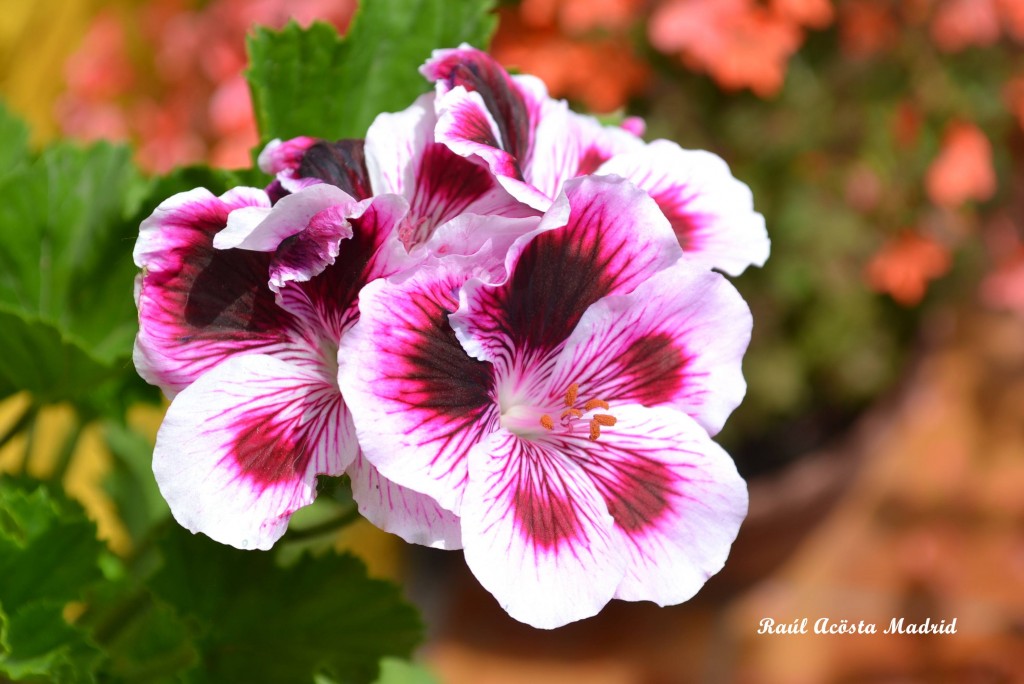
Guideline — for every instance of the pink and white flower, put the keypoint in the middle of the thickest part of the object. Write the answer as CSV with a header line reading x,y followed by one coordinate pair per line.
x,y
256,412
562,411
534,144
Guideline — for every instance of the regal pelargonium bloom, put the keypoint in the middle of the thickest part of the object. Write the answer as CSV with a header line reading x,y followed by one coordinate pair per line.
x,y
241,309
534,144
563,411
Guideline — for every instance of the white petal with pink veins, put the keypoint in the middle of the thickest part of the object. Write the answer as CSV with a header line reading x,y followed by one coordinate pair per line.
x,y
537,533
677,340
240,448
711,212
676,498
288,217
419,401
198,305
414,517
602,236
568,145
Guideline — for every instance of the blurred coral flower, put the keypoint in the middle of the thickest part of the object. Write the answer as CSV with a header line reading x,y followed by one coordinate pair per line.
x,y
740,44
963,169
905,264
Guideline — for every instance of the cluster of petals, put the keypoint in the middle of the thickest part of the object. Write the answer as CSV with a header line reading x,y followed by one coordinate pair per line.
x,y
501,319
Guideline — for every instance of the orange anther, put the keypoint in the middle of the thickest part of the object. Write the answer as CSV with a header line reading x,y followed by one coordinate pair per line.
x,y
575,413
604,419
546,421
570,394
595,403
595,430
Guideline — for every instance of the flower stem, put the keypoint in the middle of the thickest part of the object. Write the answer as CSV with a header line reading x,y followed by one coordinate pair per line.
x,y
339,522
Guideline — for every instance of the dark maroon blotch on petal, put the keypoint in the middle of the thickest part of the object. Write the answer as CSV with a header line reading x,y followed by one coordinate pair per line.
x,y
638,492
212,294
543,503
334,293
265,454
558,275
442,378
341,163
477,71
446,184
653,370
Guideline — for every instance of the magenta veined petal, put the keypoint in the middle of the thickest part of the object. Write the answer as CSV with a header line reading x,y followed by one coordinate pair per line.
x,y
603,236
440,186
570,145
532,143
284,156
512,103
329,301
239,449
677,340
419,402
265,230
675,496
199,305
711,212
537,533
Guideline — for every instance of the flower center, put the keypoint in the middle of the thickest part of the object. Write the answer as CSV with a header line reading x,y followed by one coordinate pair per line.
x,y
571,414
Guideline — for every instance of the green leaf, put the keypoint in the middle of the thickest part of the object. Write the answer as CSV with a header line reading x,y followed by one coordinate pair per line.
x,y
66,274
152,645
311,82
130,483
13,142
256,621
47,550
36,356
38,642
48,556
394,671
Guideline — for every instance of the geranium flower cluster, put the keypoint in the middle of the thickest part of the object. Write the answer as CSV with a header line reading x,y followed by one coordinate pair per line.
x,y
498,317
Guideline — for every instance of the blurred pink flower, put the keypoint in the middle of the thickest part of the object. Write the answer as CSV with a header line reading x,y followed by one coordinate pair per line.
x,y
963,169
959,24
904,265
540,39
740,44
812,13
178,92
867,28
1003,288
580,16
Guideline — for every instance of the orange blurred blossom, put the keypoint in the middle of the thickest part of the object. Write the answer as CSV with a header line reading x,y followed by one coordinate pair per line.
x,y
602,74
963,169
812,13
904,265
740,44
867,28
580,16
959,24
